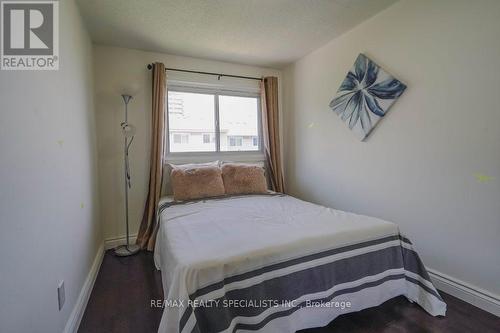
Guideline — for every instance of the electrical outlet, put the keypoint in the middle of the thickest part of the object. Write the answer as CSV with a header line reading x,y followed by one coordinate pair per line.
x,y
61,297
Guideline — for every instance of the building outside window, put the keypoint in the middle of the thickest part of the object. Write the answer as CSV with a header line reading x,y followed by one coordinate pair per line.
x,y
235,141
181,139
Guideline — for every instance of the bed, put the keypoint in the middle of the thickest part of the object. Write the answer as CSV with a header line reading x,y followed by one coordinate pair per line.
x,y
274,263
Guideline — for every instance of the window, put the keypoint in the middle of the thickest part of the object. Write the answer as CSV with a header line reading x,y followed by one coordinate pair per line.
x,y
235,141
181,138
190,117
239,122
204,120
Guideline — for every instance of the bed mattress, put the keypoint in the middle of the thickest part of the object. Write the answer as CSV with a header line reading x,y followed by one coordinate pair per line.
x,y
274,263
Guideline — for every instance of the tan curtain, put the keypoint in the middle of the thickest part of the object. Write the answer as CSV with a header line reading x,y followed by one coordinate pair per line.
x,y
148,229
270,124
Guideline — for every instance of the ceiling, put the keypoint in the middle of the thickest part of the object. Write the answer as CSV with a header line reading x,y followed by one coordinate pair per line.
x,y
270,33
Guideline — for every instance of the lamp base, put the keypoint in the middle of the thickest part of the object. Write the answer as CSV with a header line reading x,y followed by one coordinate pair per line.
x,y
124,250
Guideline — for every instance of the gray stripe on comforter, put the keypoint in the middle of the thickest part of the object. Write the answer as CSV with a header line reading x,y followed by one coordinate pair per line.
x,y
289,311
315,279
295,261
244,276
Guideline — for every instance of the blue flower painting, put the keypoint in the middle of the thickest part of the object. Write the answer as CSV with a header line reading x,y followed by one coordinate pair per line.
x,y
365,96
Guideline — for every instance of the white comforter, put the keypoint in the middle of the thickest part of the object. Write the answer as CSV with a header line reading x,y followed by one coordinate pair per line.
x,y
205,242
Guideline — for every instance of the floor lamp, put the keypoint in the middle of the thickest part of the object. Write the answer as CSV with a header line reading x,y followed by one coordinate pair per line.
x,y
128,131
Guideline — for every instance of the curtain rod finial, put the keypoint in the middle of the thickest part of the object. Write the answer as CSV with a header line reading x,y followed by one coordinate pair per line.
x,y
150,66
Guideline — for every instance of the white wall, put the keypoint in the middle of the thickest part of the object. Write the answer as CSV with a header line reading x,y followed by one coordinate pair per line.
x,y
48,184
418,166
118,71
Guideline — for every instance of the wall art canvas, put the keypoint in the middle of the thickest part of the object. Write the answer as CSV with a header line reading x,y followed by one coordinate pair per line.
x,y
365,96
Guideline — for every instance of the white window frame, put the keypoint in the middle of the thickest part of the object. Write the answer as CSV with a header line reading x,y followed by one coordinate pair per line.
x,y
202,156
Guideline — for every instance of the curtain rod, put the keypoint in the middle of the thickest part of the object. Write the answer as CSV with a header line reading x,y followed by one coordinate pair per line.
x,y
219,75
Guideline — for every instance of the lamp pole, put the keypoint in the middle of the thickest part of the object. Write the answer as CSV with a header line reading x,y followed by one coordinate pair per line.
x,y
128,131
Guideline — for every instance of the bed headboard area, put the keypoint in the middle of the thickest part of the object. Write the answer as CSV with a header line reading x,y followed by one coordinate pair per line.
x,y
166,189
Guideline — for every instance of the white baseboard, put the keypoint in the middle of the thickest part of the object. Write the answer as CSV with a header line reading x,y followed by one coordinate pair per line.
x,y
111,243
81,303
476,296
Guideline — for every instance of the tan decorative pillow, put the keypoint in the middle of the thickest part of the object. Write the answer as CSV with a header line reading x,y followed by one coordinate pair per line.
x,y
196,183
243,178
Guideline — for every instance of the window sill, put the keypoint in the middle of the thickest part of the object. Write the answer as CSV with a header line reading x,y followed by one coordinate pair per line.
x,y
201,157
